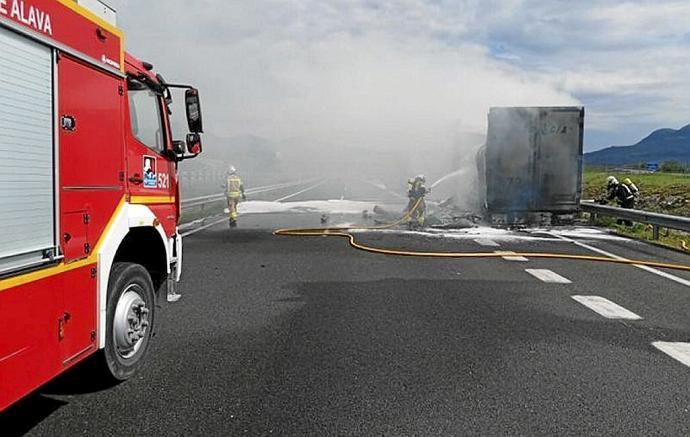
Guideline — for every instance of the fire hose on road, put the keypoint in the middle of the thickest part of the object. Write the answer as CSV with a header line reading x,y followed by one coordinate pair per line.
x,y
347,232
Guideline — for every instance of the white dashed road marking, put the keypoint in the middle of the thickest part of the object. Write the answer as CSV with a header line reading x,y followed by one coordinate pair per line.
x,y
510,256
606,308
486,242
548,276
677,350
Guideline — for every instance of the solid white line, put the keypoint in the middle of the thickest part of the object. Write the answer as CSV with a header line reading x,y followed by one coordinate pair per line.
x,y
664,275
611,255
299,192
606,308
259,190
271,187
386,190
548,276
679,351
486,242
510,256
194,231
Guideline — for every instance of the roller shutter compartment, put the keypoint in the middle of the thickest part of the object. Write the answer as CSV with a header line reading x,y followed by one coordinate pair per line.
x,y
27,161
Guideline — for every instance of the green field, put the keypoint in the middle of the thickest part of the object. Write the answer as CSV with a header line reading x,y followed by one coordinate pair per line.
x,y
659,192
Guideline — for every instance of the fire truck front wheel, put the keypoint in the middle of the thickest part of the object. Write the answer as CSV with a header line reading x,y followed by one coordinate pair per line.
x,y
130,316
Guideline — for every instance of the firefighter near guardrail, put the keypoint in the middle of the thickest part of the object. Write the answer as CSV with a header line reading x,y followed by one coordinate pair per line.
x,y
622,193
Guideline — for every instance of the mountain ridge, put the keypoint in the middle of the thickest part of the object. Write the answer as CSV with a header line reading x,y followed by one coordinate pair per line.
x,y
663,144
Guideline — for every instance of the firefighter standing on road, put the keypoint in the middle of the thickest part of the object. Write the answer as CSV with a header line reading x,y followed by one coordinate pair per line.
x,y
234,189
622,193
416,192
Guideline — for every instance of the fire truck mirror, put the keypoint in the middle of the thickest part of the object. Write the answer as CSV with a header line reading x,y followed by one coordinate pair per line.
x,y
193,105
194,144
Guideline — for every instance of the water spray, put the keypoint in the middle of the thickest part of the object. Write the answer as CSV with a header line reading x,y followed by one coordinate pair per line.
x,y
448,176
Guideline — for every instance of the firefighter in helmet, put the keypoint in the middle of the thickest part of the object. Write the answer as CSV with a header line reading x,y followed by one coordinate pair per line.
x,y
622,194
611,187
410,189
416,206
633,188
234,189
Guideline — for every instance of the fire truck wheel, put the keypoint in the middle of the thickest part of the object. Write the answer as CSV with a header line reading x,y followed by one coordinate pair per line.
x,y
130,316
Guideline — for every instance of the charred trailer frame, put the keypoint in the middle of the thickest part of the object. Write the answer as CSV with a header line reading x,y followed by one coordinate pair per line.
x,y
532,164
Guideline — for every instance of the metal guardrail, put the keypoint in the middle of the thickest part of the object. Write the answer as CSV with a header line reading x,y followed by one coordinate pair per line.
x,y
655,219
201,201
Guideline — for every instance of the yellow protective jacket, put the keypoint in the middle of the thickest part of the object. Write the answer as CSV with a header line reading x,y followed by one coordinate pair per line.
x,y
416,189
234,187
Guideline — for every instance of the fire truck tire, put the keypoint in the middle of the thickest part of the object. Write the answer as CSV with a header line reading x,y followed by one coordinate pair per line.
x,y
130,317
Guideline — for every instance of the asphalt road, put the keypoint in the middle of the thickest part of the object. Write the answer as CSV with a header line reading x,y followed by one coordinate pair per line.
x,y
306,336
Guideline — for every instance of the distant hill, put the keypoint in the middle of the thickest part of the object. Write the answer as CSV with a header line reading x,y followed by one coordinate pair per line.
x,y
661,145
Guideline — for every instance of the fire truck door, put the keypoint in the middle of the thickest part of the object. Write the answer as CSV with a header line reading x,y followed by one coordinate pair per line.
x,y
91,152
91,155
150,174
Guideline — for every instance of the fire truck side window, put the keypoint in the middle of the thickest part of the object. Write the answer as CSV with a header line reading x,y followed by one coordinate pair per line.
x,y
145,115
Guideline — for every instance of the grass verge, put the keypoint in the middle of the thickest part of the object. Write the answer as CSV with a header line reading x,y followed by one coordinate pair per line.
x,y
640,231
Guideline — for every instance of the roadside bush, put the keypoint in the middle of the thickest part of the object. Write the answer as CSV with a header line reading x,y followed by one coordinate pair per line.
x,y
673,167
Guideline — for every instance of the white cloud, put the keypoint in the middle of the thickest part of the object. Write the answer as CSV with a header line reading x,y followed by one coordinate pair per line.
x,y
641,21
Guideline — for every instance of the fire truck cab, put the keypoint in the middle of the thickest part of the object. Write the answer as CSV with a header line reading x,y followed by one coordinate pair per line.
x,y
89,196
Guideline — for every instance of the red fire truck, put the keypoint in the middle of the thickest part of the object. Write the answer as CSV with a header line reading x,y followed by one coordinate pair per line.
x,y
89,198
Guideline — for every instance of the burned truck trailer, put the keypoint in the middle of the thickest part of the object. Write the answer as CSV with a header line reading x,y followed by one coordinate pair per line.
x,y
532,164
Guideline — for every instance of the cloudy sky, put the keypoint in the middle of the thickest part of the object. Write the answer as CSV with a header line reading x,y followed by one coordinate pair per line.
x,y
414,71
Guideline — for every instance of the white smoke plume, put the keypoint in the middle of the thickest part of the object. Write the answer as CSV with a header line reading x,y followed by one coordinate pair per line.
x,y
391,88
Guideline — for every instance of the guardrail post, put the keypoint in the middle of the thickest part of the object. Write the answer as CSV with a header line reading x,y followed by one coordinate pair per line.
x,y
592,218
655,232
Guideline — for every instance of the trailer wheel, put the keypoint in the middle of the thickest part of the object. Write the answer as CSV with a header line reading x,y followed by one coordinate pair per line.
x,y
130,316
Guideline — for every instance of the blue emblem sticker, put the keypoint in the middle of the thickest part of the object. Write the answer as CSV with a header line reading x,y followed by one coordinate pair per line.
x,y
150,172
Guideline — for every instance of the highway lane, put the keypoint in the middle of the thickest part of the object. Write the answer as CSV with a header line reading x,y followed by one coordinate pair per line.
x,y
293,336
